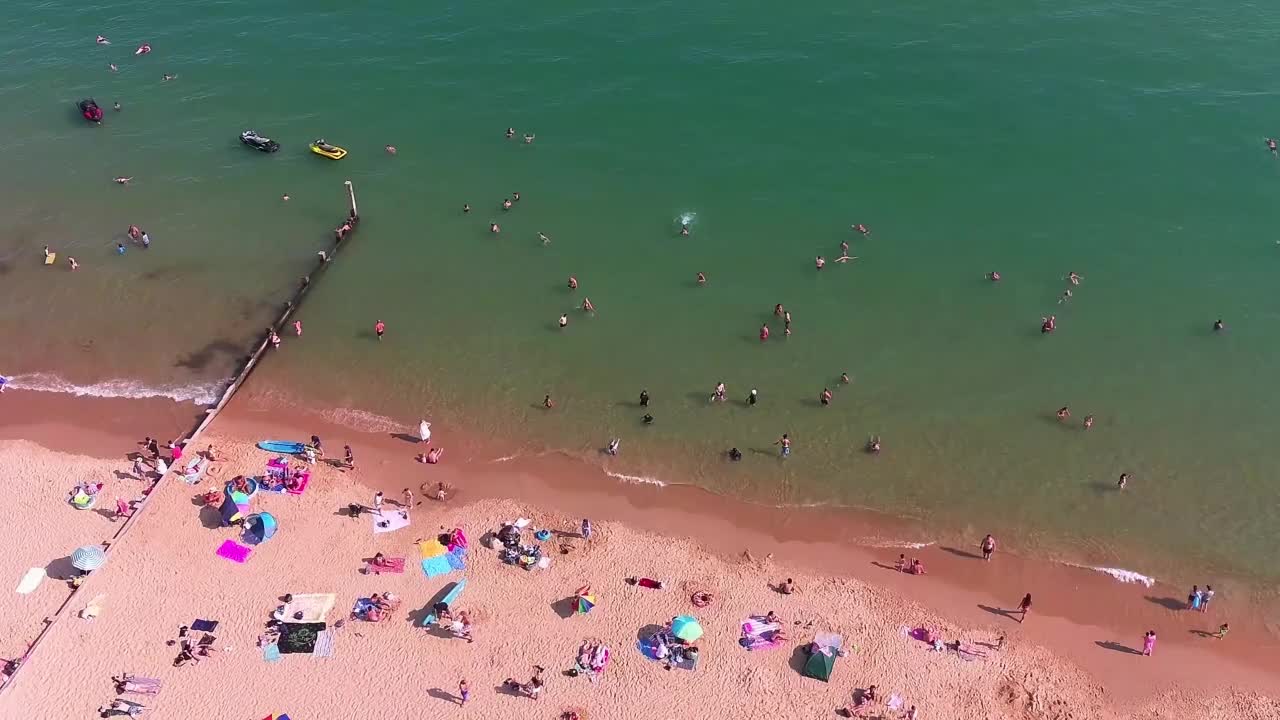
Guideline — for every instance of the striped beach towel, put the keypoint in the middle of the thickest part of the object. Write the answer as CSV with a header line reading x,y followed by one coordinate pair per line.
x,y
324,645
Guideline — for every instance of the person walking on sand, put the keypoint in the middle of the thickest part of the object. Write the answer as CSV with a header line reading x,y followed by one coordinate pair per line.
x,y
464,692
785,443
1149,643
424,431
586,529
377,503
988,547
407,494
1024,607
1223,629
379,328
1205,597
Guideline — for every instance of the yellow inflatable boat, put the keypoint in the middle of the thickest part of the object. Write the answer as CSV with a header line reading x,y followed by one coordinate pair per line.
x,y
333,152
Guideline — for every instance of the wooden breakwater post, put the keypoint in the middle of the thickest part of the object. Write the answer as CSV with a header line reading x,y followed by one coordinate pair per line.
x,y
341,233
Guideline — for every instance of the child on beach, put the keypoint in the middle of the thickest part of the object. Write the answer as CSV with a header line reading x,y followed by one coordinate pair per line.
x,y
1223,629
1149,643
1024,607
464,692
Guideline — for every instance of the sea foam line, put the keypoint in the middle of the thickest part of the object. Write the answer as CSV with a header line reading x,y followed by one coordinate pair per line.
x,y
1124,576
637,479
198,393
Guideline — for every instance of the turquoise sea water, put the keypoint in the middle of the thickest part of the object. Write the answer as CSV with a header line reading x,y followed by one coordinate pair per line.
x,y
1120,141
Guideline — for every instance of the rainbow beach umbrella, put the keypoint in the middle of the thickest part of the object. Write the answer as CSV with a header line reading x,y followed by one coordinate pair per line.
x,y
582,604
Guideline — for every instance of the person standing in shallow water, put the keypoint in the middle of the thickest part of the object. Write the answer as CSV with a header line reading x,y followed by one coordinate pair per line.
x,y
644,398
1024,607
988,547
785,443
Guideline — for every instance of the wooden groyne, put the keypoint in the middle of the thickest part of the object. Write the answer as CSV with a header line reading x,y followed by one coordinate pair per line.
x,y
325,259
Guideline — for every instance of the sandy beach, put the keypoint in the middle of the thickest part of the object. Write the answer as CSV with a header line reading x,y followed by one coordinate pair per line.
x,y
165,574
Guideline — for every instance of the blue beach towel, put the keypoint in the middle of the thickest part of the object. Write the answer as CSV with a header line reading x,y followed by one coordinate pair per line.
x,y
271,653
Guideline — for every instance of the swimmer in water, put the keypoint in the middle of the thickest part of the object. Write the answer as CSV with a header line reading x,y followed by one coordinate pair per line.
x,y
1218,325
702,278
866,232
1124,480
543,237
684,230
825,397
103,41
846,258
515,196
72,261
1066,295
528,138
135,232
547,402
564,321
1088,421
113,67
994,276
297,327
466,208
777,310
511,132
873,445
764,332
573,283
1048,324
819,262
116,107
143,49
285,197
1271,145
493,228
844,247
1064,413
123,180
844,378
1073,278
754,397
506,204
719,394
587,306
167,77
648,419
391,149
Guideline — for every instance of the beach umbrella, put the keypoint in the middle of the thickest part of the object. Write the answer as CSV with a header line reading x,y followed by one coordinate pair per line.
x,y
686,628
88,558
584,603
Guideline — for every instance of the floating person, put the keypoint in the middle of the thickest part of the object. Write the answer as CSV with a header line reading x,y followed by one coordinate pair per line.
x,y
1066,295
515,196
573,283
72,261
1271,145
993,276
466,208
528,138
115,106
819,262
777,310
511,132
143,49
543,237
1073,278
493,228
564,321
102,40
1123,481
285,197
844,378
1048,324
391,149
1064,412
113,68
702,278
1218,325
613,446
846,258
167,77
123,180
684,229
120,249
647,419
866,232
506,203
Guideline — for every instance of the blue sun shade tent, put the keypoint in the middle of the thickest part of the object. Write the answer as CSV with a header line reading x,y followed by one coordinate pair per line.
x,y
260,527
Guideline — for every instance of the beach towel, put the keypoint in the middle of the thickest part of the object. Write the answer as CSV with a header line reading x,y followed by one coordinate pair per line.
x,y
430,548
31,580
303,480
312,606
393,566
271,653
324,645
753,626
438,565
194,471
204,625
390,521
234,551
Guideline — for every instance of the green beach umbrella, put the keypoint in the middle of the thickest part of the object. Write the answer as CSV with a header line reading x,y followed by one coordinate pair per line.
x,y
686,628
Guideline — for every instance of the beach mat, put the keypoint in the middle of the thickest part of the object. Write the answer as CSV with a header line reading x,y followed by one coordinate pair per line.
x,y
204,625
324,645
299,638
234,551
271,653
31,581
313,607
389,521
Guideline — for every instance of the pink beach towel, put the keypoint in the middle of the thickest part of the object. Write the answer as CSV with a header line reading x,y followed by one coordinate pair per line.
x,y
303,480
394,566
234,551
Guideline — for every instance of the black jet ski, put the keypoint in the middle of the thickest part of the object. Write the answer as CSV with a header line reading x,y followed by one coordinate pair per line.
x,y
257,142
90,110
